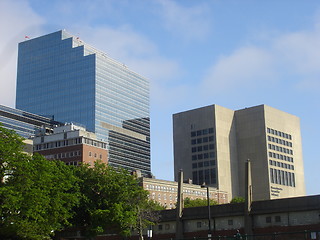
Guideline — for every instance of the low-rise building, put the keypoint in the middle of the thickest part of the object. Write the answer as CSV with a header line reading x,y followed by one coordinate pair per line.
x,y
166,192
72,144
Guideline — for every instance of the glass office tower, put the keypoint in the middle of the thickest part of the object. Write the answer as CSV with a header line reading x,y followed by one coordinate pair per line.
x,y
24,123
58,74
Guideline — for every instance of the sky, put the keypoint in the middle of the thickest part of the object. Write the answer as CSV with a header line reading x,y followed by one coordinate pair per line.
x,y
234,53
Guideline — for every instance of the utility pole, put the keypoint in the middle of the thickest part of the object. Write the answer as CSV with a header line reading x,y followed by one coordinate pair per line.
x,y
248,199
179,209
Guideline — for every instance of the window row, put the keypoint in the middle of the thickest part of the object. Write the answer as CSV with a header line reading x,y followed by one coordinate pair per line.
x,y
282,177
280,164
64,155
279,133
95,143
204,164
161,188
207,176
280,149
95,155
201,132
163,197
280,141
202,148
280,156
73,163
69,142
166,227
276,219
203,156
202,140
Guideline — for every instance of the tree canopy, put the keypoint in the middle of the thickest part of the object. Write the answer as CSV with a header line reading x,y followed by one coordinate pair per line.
x,y
197,202
39,197
237,200
111,200
36,195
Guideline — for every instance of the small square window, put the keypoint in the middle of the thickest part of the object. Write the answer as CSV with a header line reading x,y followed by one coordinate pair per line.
x,y
198,224
277,219
159,227
230,222
268,219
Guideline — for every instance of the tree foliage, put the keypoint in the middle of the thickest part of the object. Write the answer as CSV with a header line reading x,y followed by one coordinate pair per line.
x,y
111,201
197,202
237,200
36,195
39,197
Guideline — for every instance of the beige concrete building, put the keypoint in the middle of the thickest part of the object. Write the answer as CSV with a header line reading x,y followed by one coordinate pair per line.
x,y
165,192
211,145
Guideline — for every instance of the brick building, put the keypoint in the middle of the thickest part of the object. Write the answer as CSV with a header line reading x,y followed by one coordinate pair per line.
x,y
165,192
71,144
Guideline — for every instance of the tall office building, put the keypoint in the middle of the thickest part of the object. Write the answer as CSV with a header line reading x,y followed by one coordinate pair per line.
x,y
212,144
58,74
24,123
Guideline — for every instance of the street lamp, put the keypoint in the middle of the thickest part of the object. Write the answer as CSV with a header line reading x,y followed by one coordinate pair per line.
x,y
209,215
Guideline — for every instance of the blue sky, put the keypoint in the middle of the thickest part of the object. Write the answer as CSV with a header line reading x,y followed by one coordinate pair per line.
x,y
235,54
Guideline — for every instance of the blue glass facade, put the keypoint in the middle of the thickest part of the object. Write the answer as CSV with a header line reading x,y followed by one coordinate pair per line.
x,y
23,123
60,75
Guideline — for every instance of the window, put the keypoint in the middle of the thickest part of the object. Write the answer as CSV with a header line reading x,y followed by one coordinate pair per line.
x,y
277,219
230,222
198,224
199,133
167,227
194,157
194,165
268,219
194,149
90,154
159,227
210,130
193,141
193,134
199,140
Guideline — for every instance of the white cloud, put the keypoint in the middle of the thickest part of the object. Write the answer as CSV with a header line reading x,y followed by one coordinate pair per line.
x,y
246,68
291,60
187,22
17,20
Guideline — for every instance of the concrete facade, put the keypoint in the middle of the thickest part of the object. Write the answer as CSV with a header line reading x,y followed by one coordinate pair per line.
x,y
212,144
279,215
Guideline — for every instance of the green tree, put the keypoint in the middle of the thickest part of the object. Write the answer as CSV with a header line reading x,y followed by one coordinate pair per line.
x,y
237,200
148,215
36,195
197,202
111,200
